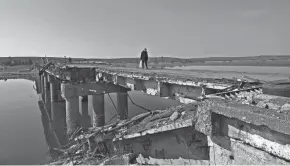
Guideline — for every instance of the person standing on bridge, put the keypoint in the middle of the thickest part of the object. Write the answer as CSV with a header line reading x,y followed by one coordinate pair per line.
x,y
144,58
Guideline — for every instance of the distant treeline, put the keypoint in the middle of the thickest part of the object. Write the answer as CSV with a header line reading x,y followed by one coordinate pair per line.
x,y
13,62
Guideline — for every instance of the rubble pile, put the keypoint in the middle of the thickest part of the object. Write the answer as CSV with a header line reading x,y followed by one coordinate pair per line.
x,y
94,146
89,147
258,99
85,147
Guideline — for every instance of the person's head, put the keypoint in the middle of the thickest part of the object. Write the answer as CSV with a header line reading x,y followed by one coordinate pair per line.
x,y
145,49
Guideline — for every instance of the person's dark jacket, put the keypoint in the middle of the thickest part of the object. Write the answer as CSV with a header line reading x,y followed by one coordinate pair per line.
x,y
144,56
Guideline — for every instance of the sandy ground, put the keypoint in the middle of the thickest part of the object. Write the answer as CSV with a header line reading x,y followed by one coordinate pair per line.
x,y
206,74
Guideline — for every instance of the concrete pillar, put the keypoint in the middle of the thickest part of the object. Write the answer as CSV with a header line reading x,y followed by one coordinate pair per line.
x,y
72,114
62,112
83,107
54,97
122,105
72,107
61,122
47,94
42,86
98,110
59,96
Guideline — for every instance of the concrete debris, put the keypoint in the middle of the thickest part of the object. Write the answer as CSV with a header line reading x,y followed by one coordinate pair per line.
x,y
91,146
272,106
260,100
261,104
140,159
183,114
285,107
174,116
246,97
119,160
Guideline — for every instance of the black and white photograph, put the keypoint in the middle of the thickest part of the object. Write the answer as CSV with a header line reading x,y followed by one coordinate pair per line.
x,y
145,82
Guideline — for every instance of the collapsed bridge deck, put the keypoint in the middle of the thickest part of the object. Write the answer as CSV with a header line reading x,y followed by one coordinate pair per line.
x,y
240,118
164,83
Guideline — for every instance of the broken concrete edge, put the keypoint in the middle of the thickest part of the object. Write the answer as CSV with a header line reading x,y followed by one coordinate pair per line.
x,y
168,127
258,99
182,99
202,122
249,114
128,84
165,78
278,100
273,148
230,109
208,123
237,90
281,151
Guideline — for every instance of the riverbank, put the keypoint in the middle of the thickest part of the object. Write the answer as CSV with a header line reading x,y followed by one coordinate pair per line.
x,y
15,72
12,75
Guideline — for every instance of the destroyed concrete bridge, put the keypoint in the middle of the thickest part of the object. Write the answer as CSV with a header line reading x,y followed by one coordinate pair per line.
x,y
219,121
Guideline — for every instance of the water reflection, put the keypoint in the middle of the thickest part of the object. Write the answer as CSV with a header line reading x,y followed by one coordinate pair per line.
x,y
22,139
54,131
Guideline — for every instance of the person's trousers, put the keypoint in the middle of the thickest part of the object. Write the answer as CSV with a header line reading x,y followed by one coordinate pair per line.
x,y
144,62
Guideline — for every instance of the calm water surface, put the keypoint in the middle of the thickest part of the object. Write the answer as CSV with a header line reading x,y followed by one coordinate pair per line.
x,y
22,138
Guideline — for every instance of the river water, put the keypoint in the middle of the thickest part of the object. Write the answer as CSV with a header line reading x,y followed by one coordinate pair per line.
x,y
22,139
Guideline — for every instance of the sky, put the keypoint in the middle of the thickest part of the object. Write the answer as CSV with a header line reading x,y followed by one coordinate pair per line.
x,y
123,28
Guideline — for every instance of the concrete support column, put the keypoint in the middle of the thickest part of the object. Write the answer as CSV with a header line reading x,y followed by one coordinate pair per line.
x,y
42,86
72,107
54,97
59,96
72,114
98,110
61,121
57,112
122,105
163,89
83,107
57,108
62,108
47,94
